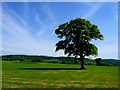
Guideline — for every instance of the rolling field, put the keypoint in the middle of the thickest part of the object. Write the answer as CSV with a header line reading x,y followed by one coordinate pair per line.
x,y
48,75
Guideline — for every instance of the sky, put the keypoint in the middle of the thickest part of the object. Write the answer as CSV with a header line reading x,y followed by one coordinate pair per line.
x,y
29,27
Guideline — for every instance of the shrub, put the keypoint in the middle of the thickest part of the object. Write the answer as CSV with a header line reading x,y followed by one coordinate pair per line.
x,y
76,62
63,62
98,61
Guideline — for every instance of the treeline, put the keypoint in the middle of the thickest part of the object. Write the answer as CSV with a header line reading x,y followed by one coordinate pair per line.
x,y
62,60
48,59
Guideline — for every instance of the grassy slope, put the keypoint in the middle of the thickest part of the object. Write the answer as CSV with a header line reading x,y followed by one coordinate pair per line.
x,y
92,77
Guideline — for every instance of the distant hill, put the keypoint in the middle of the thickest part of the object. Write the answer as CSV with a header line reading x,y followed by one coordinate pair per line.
x,y
50,59
112,61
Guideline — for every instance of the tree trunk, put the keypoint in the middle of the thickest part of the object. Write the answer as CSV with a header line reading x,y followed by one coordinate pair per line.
x,y
82,62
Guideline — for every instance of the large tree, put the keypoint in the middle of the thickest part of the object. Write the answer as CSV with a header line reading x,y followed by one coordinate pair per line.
x,y
76,36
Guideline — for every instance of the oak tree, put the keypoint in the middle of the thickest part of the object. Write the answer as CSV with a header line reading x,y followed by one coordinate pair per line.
x,y
75,38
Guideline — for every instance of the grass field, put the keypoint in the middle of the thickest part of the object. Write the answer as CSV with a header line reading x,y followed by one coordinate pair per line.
x,y
48,75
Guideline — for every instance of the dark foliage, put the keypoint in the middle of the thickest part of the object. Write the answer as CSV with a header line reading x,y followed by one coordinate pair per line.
x,y
62,60
98,61
76,36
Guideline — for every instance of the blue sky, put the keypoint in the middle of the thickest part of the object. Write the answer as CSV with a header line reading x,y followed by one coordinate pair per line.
x,y
28,27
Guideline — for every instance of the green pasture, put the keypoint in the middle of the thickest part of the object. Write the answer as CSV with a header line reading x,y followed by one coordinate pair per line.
x,y
48,75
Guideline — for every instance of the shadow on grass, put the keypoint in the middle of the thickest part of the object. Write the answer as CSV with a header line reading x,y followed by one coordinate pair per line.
x,y
50,68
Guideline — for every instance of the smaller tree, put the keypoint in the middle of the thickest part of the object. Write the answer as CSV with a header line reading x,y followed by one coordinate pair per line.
x,y
98,61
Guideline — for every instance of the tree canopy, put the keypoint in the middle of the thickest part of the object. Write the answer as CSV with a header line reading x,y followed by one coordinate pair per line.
x,y
98,61
76,36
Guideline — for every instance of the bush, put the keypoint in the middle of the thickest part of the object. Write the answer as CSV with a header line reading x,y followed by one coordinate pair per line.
x,y
76,62
101,64
98,61
88,63
22,60
63,62
52,61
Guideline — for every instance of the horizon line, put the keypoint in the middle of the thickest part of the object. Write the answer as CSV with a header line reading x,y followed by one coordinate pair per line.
x,y
55,56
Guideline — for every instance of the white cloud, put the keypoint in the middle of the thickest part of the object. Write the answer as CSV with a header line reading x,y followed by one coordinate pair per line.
x,y
94,8
49,12
17,39
26,10
108,51
37,18
49,23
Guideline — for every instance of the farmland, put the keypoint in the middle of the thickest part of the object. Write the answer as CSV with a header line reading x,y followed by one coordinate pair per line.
x,y
21,74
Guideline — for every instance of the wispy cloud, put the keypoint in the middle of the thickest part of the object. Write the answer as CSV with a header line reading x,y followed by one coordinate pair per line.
x,y
93,10
18,40
50,22
26,10
108,51
105,50
49,12
37,18
43,26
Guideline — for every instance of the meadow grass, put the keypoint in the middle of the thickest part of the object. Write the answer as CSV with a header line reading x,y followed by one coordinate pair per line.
x,y
48,75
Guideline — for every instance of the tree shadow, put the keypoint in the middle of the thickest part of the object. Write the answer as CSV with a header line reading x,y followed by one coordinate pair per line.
x,y
50,68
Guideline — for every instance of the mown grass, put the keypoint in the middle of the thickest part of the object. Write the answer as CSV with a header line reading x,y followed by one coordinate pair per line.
x,y
48,75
